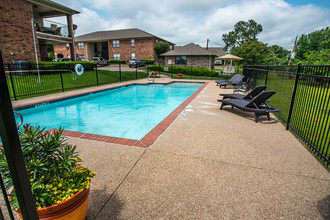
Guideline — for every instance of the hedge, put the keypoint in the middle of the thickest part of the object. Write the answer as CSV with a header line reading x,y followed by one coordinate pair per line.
x,y
45,65
117,61
195,71
149,61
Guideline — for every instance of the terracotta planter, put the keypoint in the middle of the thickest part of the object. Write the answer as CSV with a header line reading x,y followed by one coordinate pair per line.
x,y
74,208
179,76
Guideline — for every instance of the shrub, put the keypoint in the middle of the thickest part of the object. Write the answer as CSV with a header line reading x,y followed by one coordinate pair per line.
x,y
149,61
117,61
195,71
43,65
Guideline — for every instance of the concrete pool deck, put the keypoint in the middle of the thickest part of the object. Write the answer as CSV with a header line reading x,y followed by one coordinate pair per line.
x,y
208,164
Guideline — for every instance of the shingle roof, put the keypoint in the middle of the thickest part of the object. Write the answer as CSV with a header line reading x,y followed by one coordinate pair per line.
x,y
115,35
194,50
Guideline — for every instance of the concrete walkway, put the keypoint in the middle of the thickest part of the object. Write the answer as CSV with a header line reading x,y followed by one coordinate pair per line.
x,y
209,164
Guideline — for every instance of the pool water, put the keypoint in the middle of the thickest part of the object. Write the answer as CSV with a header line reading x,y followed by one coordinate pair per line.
x,y
126,112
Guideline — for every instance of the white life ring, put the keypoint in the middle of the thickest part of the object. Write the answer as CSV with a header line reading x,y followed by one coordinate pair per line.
x,y
79,69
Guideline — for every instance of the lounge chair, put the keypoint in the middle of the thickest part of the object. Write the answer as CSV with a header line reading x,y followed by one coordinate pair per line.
x,y
220,81
249,96
235,80
257,105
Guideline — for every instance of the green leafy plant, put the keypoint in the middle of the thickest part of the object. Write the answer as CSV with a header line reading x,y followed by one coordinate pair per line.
x,y
53,167
149,61
45,65
195,71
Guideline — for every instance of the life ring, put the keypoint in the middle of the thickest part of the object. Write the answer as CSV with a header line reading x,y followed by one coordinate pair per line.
x,y
79,69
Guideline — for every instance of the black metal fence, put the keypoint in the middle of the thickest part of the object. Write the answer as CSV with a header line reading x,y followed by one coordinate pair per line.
x,y
28,80
303,95
31,80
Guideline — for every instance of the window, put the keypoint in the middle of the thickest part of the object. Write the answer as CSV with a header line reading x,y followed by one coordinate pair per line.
x,y
80,46
115,43
116,56
132,55
67,46
132,43
181,60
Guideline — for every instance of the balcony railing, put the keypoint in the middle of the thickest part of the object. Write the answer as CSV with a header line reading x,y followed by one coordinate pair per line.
x,y
54,28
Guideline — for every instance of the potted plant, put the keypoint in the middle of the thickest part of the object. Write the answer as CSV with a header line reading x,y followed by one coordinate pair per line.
x,y
59,184
179,75
154,74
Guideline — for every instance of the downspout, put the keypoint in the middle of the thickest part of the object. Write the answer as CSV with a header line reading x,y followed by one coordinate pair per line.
x,y
35,50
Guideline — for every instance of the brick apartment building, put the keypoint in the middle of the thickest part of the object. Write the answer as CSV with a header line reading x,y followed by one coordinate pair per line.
x,y
113,45
16,31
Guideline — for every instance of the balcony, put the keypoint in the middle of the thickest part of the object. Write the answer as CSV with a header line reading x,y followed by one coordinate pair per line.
x,y
53,32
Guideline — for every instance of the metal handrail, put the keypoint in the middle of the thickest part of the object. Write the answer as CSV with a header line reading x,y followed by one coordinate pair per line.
x,y
21,117
150,75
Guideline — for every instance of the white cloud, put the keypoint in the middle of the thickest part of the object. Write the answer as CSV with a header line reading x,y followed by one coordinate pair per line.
x,y
185,21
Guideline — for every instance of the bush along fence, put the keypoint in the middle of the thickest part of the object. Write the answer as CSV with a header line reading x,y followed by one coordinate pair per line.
x,y
188,71
29,79
303,94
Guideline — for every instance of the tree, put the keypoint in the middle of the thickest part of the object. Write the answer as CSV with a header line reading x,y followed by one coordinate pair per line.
x,y
243,32
315,41
161,47
254,53
279,51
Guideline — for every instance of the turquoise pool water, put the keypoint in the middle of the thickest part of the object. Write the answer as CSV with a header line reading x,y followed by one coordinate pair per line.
x,y
126,112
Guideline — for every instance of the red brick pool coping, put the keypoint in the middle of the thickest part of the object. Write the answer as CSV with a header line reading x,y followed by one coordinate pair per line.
x,y
147,140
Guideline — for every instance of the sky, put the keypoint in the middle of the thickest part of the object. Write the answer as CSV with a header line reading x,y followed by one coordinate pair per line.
x,y
194,21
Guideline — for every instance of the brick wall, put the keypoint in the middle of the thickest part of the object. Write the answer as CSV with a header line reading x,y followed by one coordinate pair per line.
x,y
200,61
197,61
16,31
62,49
143,48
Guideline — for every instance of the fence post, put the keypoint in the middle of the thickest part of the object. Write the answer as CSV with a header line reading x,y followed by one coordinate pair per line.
x,y
97,76
172,72
13,151
136,68
12,85
119,73
62,81
266,75
293,96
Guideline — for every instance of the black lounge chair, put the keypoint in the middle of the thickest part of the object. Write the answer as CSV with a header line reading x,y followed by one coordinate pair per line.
x,y
235,80
257,105
232,78
250,95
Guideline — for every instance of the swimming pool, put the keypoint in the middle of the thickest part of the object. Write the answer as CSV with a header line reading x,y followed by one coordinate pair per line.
x,y
126,112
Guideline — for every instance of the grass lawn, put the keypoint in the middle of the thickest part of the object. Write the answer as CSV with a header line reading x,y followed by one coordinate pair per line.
x,y
311,110
26,86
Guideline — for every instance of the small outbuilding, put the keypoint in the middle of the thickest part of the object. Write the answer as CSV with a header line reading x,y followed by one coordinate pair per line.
x,y
193,55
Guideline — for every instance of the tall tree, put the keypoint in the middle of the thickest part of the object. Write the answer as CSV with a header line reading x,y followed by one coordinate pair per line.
x,y
315,41
243,32
279,51
254,53
161,47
